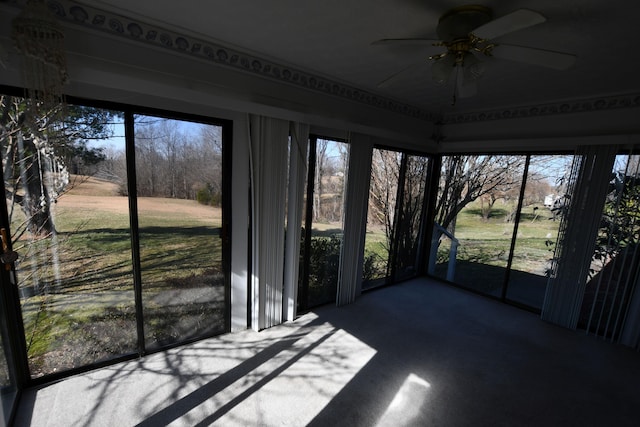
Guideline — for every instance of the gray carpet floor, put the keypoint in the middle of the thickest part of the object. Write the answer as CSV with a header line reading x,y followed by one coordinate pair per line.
x,y
417,354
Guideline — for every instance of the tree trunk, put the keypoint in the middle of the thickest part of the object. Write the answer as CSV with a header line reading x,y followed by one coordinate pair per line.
x,y
36,203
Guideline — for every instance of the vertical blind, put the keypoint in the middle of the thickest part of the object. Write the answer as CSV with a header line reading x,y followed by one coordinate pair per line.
x,y
610,308
577,234
268,157
357,197
297,173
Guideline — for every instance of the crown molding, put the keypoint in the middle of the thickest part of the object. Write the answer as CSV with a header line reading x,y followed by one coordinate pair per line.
x,y
556,108
74,13
71,12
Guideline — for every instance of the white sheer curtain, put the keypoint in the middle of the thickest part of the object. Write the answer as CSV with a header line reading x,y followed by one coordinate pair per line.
x,y
355,219
297,174
268,144
577,237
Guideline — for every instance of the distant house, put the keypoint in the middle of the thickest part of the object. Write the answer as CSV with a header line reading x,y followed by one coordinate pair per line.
x,y
549,200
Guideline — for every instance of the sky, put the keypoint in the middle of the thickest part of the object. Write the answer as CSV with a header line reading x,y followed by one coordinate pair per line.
x,y
117,141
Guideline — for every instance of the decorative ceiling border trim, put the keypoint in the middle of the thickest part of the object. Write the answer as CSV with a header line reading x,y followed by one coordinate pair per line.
x,y
114,24
135,30
566,107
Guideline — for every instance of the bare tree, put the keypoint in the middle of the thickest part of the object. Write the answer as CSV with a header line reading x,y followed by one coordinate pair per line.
x,y
538,187
410,220
37,151
177,161
321,169
114,168
209,161
148,161
465,178
507,190
169,142
383,190
396,194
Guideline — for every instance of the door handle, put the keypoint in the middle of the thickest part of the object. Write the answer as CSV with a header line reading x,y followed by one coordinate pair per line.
x,y
7,257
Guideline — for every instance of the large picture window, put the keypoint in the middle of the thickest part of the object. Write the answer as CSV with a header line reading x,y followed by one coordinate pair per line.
x,y
496,223
108,269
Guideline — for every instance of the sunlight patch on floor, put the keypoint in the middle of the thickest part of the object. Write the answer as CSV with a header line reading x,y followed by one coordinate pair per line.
x,y
292,387
407,403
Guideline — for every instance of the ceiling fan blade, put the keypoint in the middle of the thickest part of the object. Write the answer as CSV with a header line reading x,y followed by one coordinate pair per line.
x,y
405,42
386,82
534,56
514,21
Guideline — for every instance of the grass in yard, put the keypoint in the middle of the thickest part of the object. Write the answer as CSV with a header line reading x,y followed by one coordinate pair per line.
x,y
487,243
376,249
77,286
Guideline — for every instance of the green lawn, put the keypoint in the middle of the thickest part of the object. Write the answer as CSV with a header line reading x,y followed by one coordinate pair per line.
x,y
486,242
77,286
377,251
484,247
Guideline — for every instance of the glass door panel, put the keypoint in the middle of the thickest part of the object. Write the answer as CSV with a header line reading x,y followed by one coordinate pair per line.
x,y
69,218
395,217
476,206
179,186
545,196
410,218
383,192
324,227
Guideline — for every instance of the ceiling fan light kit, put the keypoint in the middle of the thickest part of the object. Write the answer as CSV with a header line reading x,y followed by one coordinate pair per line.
x,y
470,29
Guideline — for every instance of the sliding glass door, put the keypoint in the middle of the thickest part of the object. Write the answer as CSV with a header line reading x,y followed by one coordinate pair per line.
x,y
496,223
69,221
544,200
179,203
322,237
383,194
393,241
118,222
477,204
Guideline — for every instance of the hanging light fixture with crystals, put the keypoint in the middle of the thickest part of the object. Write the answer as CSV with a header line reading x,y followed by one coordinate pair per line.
x,y
39,38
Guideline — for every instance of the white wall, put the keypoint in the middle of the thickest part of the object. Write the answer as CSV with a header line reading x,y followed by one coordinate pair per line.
x,y
617,124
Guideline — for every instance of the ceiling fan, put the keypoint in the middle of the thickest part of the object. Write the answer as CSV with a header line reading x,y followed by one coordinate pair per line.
x,y
468,32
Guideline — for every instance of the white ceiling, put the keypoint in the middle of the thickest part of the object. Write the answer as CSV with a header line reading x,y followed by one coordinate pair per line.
x,y
332,38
